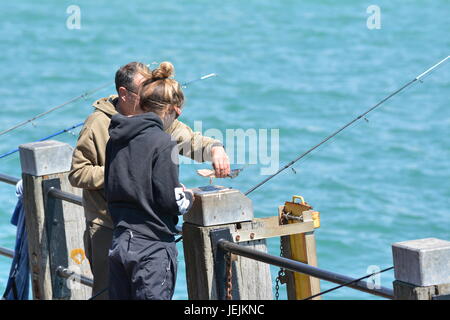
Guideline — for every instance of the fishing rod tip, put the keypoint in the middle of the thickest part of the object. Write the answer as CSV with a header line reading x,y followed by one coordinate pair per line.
x,y
209,76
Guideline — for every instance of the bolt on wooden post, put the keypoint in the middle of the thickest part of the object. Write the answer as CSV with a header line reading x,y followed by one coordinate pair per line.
x,y
55,228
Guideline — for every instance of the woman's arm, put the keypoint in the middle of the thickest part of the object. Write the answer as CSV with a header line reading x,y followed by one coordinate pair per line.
x,y
170,196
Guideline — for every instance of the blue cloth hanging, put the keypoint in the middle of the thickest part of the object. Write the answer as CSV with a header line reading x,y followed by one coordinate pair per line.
x,y
18,284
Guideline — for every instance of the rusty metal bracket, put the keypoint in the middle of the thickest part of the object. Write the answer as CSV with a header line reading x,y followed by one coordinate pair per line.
x,y
263,228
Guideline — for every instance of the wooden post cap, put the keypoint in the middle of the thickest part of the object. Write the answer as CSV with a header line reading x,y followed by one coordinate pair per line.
x,y
45,157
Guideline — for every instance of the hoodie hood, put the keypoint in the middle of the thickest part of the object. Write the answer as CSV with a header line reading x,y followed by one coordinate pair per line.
x,y
123,129
107,105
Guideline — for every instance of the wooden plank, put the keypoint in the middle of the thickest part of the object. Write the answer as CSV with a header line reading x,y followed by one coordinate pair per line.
x,y
254,277
68,230
56,237
55,228
311,257
200,277
407,291
301,247
263,228
199,263
37,237
74,226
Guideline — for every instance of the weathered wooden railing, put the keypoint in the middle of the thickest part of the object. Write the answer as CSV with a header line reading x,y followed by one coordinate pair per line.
x,y
220,224
55,223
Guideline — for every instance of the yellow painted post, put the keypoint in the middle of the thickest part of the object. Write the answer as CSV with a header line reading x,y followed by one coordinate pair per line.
x,y
302,247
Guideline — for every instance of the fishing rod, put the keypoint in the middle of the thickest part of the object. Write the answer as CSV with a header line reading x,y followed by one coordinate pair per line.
x,y
46,138
185,84
40,115
418,78
84,96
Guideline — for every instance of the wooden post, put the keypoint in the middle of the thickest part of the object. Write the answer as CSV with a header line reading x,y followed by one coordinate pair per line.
x,y
251,279
55,228
422,269
300,247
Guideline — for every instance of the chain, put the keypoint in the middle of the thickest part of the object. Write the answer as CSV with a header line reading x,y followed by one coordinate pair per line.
x,y
277,286
281,274
229,277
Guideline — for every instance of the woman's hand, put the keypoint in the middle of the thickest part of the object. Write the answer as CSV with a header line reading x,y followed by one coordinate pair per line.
x,y
187,190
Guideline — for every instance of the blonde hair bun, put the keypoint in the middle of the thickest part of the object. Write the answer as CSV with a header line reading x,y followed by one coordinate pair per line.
x,y
164,71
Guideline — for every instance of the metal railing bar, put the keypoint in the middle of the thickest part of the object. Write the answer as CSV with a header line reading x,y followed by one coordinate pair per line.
x,y
66,196
66,273
6,252
8,179
297,266
56,193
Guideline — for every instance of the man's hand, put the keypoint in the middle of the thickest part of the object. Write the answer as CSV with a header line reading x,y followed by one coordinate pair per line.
x,y
220,162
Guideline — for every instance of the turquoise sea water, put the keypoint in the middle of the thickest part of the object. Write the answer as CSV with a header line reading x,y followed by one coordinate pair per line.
x,y
303,67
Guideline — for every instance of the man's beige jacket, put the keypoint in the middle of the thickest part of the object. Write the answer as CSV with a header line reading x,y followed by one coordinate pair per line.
x,y
88,160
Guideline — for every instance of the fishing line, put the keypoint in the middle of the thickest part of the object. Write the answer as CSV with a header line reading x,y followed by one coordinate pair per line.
x,y
349,283
68,130
361,116
337,138
185,84
40,115
312,154
85,96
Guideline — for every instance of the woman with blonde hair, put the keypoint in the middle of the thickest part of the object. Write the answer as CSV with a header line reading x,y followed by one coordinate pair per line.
x,y
143,192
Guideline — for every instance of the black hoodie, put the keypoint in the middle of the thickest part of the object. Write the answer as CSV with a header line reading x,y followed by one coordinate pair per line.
x,y
140,176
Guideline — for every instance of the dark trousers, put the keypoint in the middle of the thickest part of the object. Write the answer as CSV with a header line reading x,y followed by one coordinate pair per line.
x,y
141,268
97,242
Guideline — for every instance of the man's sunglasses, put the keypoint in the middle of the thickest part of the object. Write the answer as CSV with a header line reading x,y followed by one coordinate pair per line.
x,y
131,91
